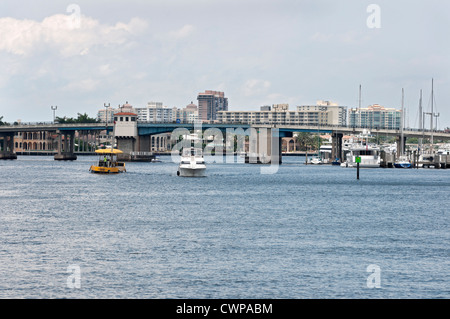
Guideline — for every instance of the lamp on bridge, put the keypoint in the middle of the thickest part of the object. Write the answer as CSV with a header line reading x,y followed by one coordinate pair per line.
x,y
54,108
106,112
107,106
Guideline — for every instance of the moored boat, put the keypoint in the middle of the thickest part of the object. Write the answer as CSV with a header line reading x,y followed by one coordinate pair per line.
x,y
402,162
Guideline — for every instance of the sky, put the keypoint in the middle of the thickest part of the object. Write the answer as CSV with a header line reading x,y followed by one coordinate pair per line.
x,y
80,55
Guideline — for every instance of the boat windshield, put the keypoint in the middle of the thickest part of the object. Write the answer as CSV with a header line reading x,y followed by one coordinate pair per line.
x,y
364,152
192,152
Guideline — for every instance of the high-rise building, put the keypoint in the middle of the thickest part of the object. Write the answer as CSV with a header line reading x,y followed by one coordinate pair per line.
x,y
210,103
375,116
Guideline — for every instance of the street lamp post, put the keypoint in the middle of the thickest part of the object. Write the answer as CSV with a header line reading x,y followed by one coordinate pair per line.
x,y
54,108
107,106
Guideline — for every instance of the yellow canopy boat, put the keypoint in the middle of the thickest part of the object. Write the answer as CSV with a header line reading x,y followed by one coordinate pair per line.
x,y
107,163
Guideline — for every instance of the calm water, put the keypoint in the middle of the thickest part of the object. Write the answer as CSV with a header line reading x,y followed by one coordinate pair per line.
x,y
304,232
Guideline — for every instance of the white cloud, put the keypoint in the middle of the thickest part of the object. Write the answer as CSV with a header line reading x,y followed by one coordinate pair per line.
x,y
57,32
348,37
184,32
255,87
86,85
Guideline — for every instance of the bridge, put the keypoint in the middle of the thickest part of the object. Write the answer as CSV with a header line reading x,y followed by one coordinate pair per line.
x,y
138,140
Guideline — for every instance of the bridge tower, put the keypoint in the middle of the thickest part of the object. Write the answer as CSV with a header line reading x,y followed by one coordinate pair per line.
x,y
126,133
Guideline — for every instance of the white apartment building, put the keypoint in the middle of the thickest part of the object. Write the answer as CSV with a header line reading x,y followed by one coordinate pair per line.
x,y
337,115
156,112
323,114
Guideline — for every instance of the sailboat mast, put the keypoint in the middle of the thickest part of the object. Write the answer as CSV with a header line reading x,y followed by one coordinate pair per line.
x,y
402,146
420,121
432,113
359,106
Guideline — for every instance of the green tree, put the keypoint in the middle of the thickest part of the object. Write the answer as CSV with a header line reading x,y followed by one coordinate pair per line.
x,y
82,118
306,140
1,121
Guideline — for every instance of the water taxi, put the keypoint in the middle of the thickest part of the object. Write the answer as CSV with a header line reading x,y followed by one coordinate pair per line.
x,y
107,163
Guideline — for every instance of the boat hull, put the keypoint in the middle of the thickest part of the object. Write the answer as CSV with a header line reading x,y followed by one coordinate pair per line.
x,y
107,170
402,165
191,172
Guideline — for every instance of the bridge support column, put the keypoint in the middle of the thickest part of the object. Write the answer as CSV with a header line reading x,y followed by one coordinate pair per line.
x,y
7,149
66,153
128,146
265,148
336,151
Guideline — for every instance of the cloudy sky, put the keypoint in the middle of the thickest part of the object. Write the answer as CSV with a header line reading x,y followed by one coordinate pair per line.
x,y
79,55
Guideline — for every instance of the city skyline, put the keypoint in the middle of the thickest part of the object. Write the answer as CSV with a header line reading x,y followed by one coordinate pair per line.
x,y
294,52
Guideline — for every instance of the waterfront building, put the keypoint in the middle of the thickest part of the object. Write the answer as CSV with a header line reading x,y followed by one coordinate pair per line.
x,y
375,117
325,114
210,103
337,115
34,141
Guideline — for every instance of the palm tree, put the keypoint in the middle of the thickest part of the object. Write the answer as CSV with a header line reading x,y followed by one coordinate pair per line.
x,y
305,140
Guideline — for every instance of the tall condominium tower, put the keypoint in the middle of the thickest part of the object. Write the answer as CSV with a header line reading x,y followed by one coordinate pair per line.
x,y
209,103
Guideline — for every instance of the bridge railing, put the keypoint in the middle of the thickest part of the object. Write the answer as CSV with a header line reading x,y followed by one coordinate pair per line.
x,y
321,126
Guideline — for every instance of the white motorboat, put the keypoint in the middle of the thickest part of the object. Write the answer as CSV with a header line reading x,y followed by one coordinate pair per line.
x,y
192,163
325,152
369,155
426,160
316,160
367,152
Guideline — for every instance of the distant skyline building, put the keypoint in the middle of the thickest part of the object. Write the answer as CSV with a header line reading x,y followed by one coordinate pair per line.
x,y
156,112
210,103
108,113
189,114
375,116
325,113
337,115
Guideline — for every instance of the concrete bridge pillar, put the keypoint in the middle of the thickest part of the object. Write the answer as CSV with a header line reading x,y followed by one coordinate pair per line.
x,y
265,147
336,150
7,147
128,146
66,148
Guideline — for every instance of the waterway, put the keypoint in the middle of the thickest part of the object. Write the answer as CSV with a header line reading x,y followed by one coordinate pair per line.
x,y
304,232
